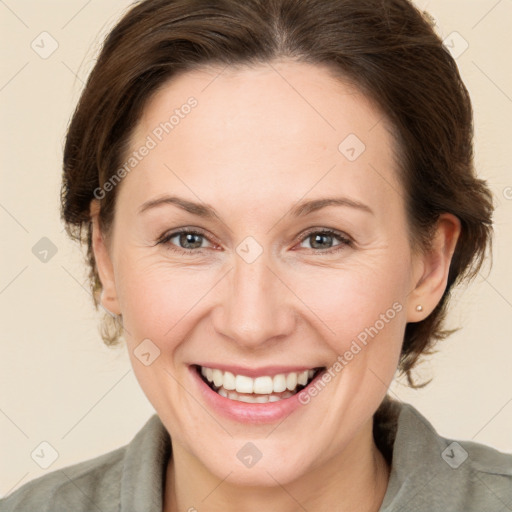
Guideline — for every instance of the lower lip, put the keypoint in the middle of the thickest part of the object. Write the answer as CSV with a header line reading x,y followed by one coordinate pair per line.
x,y
243,412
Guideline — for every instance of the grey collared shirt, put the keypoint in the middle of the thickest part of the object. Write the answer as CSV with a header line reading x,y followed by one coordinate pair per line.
x,y
429,473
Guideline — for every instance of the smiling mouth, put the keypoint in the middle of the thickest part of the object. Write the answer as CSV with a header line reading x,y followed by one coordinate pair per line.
x,y
257,390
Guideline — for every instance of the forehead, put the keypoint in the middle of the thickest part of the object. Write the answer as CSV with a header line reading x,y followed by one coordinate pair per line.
x,y
266,127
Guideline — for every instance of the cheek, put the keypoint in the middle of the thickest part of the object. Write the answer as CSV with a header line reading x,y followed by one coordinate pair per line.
x,y
159,304
351,303
156,299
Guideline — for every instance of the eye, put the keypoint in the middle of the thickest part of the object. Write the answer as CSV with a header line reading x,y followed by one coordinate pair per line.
x,y
189,240
321,240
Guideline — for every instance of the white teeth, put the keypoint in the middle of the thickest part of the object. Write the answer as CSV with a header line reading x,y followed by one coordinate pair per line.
x,y
263,385
253,399
228,381
247,398
217,378
279,383
229,385
291,381
244,384
302,379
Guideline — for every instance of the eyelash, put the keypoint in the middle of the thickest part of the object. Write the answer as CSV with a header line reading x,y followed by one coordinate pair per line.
x,y
345,241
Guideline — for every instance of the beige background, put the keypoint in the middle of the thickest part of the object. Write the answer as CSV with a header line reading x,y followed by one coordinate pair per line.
x,y
61,385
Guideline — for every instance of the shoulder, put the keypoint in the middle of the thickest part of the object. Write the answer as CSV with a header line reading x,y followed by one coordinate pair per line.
x,y
483,474
128,478
432,473
91,484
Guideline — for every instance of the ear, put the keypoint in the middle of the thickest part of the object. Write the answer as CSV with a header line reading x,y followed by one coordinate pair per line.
x,y
432,267
103,262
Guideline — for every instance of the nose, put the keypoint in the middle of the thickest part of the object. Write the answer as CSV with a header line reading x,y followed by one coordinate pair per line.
x,y
256,305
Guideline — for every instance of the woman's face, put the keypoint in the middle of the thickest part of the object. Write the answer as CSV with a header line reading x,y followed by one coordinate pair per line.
x,y
261,290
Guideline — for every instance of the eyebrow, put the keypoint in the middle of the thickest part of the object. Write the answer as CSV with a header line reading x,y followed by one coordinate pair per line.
x,y
300,210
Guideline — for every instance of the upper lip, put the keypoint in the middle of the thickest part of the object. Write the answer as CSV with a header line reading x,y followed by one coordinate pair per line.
x,y
257,372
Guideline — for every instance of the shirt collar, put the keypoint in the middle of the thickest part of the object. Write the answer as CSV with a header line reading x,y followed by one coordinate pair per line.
x,y
418,465
145,465
427,467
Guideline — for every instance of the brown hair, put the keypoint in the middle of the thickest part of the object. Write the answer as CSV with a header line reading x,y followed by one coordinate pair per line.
x,y
387,47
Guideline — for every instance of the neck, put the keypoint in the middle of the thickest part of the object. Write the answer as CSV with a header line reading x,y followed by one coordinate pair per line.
x,y
355,479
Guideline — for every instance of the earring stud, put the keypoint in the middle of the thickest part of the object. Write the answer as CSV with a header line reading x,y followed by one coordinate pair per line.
x,y
419,308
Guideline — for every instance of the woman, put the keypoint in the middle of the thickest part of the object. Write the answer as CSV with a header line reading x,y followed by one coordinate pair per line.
x,y
216,147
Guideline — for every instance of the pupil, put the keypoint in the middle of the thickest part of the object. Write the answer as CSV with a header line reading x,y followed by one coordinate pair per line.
x,y
185,239
316,237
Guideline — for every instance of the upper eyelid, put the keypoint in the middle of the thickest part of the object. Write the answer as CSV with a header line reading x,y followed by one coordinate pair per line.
x,y
332,231
194,231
